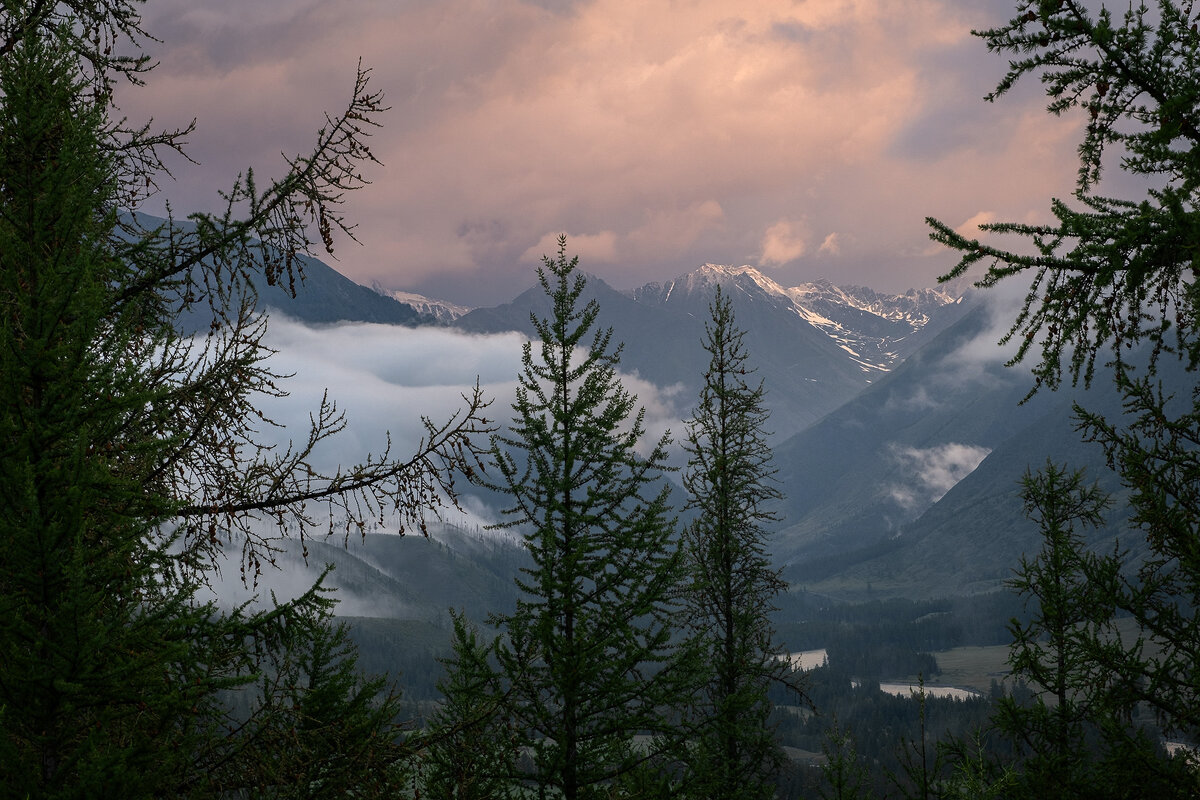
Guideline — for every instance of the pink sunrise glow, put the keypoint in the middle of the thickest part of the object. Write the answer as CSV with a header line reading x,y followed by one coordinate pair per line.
x,y
808,138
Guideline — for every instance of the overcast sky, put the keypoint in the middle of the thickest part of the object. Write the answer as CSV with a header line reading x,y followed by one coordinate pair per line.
x,y
807,137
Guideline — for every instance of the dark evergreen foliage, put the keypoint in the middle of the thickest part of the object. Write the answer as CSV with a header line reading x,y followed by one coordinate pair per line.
x,y
1115,277
732,586
1112,272
922,764
318,727
587,655
843,769
469,750
92,615
130,458
1046,650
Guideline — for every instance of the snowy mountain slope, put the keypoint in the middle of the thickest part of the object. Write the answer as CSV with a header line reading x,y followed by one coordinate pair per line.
x,y
876,330
815,346
806,374
440,311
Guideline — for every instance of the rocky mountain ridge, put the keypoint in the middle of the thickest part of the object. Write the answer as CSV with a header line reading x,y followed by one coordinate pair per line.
x,y
810,370
873,328
440,312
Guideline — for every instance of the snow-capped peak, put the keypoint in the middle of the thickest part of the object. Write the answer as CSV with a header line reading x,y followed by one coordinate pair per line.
x,y
713,274
868,325
439,310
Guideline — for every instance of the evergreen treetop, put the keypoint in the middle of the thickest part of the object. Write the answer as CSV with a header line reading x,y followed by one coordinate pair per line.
x,y
1110,272
731,584
587,653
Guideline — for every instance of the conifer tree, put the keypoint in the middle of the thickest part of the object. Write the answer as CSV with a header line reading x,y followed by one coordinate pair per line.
x,y
731,588
128,452
1074,737
320,728
586,654
470,750
85,624
1045,650
1113,278
843,769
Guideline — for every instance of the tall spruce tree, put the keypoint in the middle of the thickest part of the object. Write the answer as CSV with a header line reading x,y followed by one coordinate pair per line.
x,y
731,588
128,451
587,651
318,727
1114,278
1049,731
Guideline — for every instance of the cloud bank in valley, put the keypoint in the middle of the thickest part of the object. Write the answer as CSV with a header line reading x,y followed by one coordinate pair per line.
x,y
808,138
385,378
930,472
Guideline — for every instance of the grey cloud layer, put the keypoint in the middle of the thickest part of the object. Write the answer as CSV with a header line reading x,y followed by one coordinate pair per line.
x,y
385,378
932,471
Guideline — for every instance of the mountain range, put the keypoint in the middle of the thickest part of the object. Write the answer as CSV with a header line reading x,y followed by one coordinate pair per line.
x,y
821,344
875,330
899,436
815,346
437,311
912,487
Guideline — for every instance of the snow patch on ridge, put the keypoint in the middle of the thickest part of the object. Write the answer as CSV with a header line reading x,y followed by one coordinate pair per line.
x,y
439,310
867,324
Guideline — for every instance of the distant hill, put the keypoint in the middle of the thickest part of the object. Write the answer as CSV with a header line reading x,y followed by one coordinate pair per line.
x,y
323,296
326,296
912,487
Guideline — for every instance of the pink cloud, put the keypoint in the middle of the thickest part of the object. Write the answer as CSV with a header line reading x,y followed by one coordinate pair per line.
x,y
783,242
680,133
590,247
